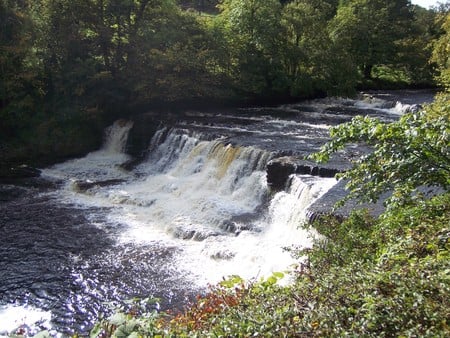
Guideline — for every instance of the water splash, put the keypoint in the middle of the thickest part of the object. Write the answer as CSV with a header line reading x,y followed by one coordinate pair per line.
x,y
22,320
209,199
196,210
100,165
116,137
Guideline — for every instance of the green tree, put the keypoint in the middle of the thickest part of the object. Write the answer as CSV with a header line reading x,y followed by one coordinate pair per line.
x,y
253,32
66,54
19,83
441,53
174,58
370,30
311,60
414,50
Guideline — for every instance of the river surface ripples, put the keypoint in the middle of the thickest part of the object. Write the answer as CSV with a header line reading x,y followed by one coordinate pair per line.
x,y
56,257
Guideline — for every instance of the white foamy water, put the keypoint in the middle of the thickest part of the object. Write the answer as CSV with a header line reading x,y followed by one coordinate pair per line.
x,y
253,255
196,210
208,198
19,320
397,109
100,165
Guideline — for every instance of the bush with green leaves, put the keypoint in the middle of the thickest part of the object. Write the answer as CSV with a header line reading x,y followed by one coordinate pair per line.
x,y
407,154
394,282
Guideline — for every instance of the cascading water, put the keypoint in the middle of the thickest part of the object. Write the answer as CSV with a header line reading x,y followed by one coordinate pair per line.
x,y
205,197
116,136
206,200
197,209
100,165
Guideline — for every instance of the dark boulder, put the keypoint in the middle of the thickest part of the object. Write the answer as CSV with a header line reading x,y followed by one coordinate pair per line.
x,y
22,171
83,186
144,127
279,170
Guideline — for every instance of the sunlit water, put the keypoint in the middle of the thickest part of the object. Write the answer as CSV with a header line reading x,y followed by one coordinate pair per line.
x,y
196,210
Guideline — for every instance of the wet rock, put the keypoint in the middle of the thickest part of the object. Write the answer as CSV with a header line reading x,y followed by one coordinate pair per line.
x,y
414,108
236,228
223,255
83,186
144,127
279,170
131,164
325,205
23,171
187,232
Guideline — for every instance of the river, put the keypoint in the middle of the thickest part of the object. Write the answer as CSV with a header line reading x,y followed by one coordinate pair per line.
x,y
91,233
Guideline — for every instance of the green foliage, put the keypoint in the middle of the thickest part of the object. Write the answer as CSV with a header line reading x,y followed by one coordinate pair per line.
x,y
311,61
364,277
393,284
81,60
406,154
232,308
377,32
252,31
19,84
441,53
134,320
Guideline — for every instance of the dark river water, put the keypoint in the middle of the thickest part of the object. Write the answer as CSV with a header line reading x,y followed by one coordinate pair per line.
x,y
60,261
88,235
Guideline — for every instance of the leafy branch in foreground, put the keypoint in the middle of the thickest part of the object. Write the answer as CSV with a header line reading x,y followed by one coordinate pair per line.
x,y
406,154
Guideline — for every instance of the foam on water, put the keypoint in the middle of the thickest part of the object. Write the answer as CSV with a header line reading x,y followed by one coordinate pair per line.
x,y
207,198
197,209
203,187
259,254
20,320
100,165
396,108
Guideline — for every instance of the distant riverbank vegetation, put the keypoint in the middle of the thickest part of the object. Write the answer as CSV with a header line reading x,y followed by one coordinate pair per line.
x,y
69,67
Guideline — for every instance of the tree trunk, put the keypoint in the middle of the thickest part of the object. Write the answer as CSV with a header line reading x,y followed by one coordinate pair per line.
x,y
368,71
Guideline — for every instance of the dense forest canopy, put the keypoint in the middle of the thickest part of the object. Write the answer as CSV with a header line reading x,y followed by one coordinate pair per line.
x,y
69,67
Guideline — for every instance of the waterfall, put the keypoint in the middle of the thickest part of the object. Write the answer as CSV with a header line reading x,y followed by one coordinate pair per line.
x,y
209,198
195,210
289,208
260,251
101,165
193,183
166,147
116,136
